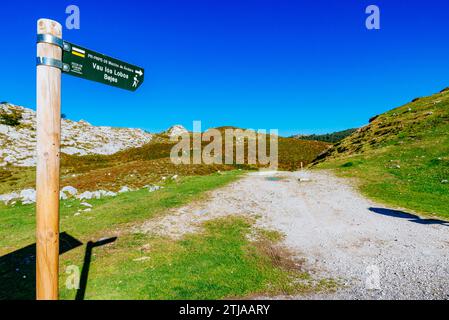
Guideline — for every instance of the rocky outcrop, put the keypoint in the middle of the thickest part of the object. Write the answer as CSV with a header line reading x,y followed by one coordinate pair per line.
x,y
18,138
176,131
28,196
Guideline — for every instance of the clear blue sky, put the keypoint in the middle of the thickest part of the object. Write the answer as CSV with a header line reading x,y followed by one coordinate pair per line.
x,y
297,66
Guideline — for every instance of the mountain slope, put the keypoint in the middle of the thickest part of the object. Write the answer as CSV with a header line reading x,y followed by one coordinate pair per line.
x,y
18,137
401,157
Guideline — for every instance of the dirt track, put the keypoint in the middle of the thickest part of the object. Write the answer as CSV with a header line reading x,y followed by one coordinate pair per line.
x,y
338,233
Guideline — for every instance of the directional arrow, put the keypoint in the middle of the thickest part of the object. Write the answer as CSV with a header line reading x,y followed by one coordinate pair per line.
x,y
91,65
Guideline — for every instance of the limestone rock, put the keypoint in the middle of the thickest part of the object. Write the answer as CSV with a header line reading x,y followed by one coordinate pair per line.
x,y
176,131
18,143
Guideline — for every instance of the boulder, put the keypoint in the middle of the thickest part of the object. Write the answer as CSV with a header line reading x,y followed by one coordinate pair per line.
x,y
62,195
124,190
108,193
87,205
153,188
176,131
71,191
86,196
28,196
8,198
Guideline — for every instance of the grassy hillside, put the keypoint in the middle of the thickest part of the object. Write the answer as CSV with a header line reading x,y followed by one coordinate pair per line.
x,y
329,137
148,164
401,157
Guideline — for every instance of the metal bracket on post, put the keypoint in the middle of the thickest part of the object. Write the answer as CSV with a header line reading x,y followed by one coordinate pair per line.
x,y
48,38
50,62
43,61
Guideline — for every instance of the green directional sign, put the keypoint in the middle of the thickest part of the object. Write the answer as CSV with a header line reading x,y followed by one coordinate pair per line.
x,y
87,64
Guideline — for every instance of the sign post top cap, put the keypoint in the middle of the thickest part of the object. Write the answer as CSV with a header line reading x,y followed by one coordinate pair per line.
x,y
48,26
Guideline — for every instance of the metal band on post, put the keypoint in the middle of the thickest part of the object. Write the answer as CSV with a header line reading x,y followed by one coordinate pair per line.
x,y
44,61
50,62
48,38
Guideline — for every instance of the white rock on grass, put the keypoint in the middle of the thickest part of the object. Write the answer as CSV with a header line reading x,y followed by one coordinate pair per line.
x,y
141,259
107,193
71,191
86,195
153,188
97,194
28,196
8,198
85,204
124,190
62,196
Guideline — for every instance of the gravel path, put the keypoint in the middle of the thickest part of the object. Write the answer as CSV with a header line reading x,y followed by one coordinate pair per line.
x,y
375,252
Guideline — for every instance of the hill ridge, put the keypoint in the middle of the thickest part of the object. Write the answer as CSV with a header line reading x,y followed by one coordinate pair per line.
x,y
402,157
18,137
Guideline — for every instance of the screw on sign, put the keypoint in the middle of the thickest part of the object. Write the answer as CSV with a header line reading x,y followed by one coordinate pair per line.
x,y
55,56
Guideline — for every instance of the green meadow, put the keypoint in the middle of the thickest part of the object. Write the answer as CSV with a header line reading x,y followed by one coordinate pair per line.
x,y
402,157
118,262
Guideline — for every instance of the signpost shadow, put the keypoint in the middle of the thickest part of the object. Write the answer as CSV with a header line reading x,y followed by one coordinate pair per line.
x,y
18,270
80,294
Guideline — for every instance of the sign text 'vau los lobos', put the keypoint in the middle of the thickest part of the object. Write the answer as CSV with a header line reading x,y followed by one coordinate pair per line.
x,y
87,64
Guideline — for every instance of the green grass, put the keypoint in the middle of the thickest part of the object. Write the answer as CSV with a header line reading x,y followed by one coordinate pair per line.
x,y
220,262
18,222
402,158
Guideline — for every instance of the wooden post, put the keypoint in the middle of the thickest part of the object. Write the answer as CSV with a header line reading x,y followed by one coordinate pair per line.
x,y
48,160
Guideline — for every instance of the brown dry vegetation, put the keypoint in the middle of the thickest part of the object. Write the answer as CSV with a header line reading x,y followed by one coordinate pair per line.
x,y
149,164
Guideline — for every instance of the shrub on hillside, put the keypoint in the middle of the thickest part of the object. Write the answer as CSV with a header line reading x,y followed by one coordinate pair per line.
x,y
329,137
4,174
10,119
372,119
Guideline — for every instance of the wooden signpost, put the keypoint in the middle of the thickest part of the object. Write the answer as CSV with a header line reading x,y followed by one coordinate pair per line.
x,y
55,56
